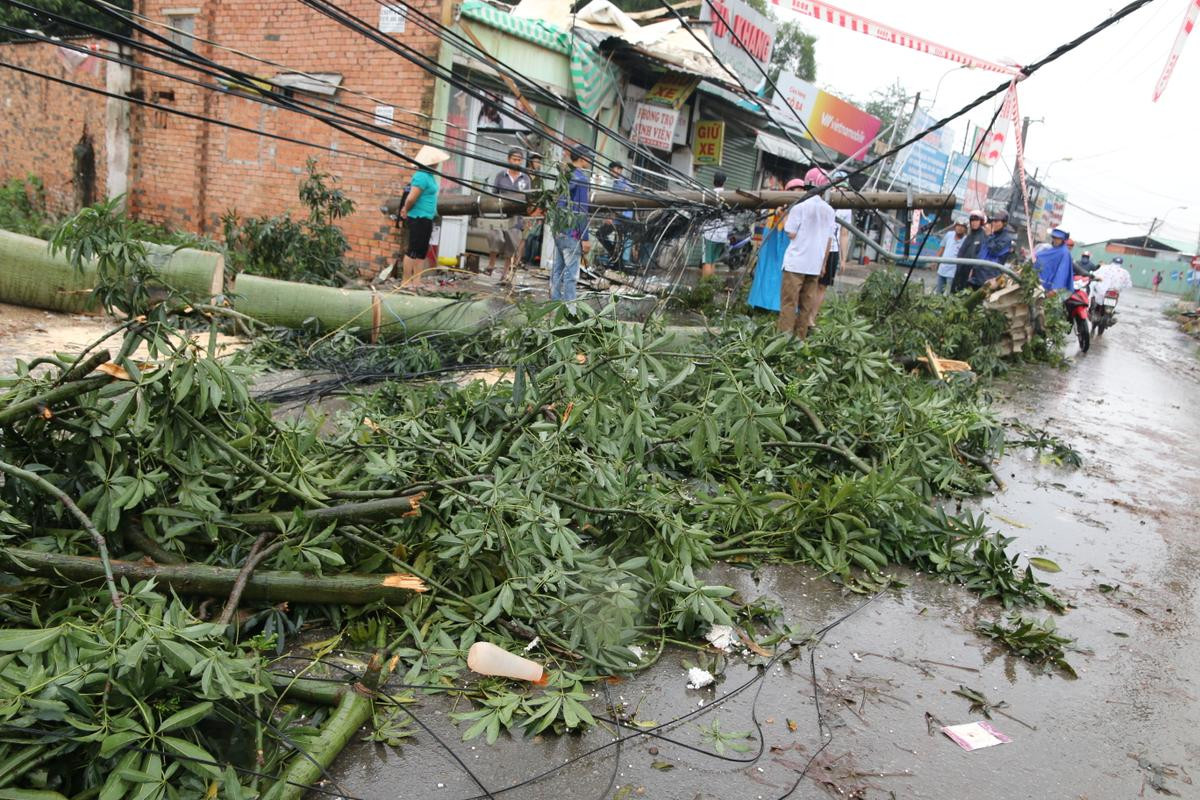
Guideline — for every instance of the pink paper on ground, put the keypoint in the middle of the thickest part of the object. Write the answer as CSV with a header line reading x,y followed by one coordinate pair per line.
x,y
975,735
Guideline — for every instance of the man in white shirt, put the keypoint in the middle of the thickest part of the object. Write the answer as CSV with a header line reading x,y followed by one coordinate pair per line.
x,y
949,249
809,225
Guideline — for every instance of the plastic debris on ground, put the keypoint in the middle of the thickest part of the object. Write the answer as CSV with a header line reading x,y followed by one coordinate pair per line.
x,y
721,637
699,678
975,735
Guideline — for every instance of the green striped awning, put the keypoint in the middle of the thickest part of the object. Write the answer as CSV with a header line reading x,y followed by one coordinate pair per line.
x,y
593,77
531,30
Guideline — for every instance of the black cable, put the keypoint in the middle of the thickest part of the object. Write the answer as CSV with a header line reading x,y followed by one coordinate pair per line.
x,y
358,25
758,679
447,34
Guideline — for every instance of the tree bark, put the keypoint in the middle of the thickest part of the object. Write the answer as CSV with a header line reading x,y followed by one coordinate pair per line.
x,y
218,581
405,506
21,408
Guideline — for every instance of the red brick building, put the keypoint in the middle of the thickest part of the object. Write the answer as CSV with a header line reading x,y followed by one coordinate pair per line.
x,y
186,173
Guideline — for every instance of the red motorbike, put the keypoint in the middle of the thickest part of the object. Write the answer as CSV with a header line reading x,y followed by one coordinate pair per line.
x,y
1077,311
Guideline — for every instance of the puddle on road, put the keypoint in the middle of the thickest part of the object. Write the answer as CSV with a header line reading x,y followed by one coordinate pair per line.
x,y
1123,530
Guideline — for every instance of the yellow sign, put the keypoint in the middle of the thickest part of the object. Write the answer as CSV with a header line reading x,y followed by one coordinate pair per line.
x,y
709,143
672,91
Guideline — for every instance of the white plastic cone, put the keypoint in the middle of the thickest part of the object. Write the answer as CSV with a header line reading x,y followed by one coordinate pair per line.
x,y
487,659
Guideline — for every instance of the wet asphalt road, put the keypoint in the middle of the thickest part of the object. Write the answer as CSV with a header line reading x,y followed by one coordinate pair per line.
x,y
1131,720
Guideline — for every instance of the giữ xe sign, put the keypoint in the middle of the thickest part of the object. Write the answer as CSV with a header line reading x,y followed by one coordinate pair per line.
x,y
709,143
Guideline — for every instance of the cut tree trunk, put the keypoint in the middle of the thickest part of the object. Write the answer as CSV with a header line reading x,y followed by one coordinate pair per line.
x,y
217,581
289,304
30,276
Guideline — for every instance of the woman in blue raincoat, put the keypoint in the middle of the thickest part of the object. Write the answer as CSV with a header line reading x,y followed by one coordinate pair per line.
x,y
768,273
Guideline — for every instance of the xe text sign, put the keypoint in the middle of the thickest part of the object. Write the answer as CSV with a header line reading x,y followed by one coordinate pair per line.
x,y
832,121
709,143
740,36
654,126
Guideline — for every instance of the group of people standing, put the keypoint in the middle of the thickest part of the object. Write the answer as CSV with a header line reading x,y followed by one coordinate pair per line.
x,y
974,236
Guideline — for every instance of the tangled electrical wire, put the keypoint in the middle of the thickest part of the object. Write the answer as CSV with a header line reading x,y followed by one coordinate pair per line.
x,y
657,732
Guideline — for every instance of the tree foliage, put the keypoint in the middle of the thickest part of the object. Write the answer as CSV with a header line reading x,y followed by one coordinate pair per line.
x,y
795,51
890,104
75,9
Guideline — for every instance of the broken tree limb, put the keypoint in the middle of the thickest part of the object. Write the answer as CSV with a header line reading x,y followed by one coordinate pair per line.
x,y
258,553
81,369
150,547
49,488
22,408
979,461
353,710
350,589
854,460
404,506
460,205
309,690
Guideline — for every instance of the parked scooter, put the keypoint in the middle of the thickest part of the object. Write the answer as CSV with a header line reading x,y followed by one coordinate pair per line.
x,y
1103,310
1077,311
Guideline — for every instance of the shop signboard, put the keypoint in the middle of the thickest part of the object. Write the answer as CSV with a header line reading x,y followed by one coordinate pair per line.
x,y
709,143
654,126
742,38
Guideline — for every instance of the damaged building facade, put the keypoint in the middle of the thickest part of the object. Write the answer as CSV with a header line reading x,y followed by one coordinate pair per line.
x,y
640,76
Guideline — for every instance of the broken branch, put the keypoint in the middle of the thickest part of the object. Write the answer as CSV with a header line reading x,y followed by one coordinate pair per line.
x,y
349,589
49,488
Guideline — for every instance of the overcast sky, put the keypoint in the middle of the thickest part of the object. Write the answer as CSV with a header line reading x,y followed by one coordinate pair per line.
x,y
1132,159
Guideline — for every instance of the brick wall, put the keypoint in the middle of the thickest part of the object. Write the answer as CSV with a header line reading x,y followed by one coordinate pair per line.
x,y
187,173
43,121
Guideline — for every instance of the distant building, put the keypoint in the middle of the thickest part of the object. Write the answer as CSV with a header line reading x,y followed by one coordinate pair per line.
x,y
1145,255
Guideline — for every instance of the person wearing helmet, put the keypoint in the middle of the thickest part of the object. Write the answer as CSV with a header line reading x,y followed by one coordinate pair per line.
x,y
1085,261
976,235
997,247
809,226
951,243
1054,264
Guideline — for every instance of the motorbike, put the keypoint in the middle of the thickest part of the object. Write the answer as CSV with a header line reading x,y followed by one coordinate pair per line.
x,y
1103,310
1077,311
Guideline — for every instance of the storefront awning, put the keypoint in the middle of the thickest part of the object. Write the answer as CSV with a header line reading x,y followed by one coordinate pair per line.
x,y
778,146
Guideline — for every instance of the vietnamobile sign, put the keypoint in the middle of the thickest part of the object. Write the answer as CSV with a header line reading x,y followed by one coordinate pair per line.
x,y
832,121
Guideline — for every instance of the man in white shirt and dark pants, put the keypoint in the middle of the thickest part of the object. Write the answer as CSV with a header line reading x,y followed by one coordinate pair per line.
x,y
809,225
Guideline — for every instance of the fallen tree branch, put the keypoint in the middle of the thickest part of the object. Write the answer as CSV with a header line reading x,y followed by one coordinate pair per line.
x,y
348,589
979,461
353,710
85,367
854,460
405,506
256,556
101,546
19,409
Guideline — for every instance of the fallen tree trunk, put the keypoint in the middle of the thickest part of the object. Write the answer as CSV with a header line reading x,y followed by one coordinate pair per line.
x,y
404,506
30,276
217,581
399,316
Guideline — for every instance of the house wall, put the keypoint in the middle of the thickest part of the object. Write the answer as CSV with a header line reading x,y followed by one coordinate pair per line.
x,y
42,121
187,173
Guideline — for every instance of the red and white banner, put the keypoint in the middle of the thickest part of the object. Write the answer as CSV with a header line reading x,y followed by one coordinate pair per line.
x,y
1189,22
1013,113
850,21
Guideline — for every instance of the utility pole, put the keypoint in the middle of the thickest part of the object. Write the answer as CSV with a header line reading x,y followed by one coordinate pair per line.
x,y
1013,193
1146,239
